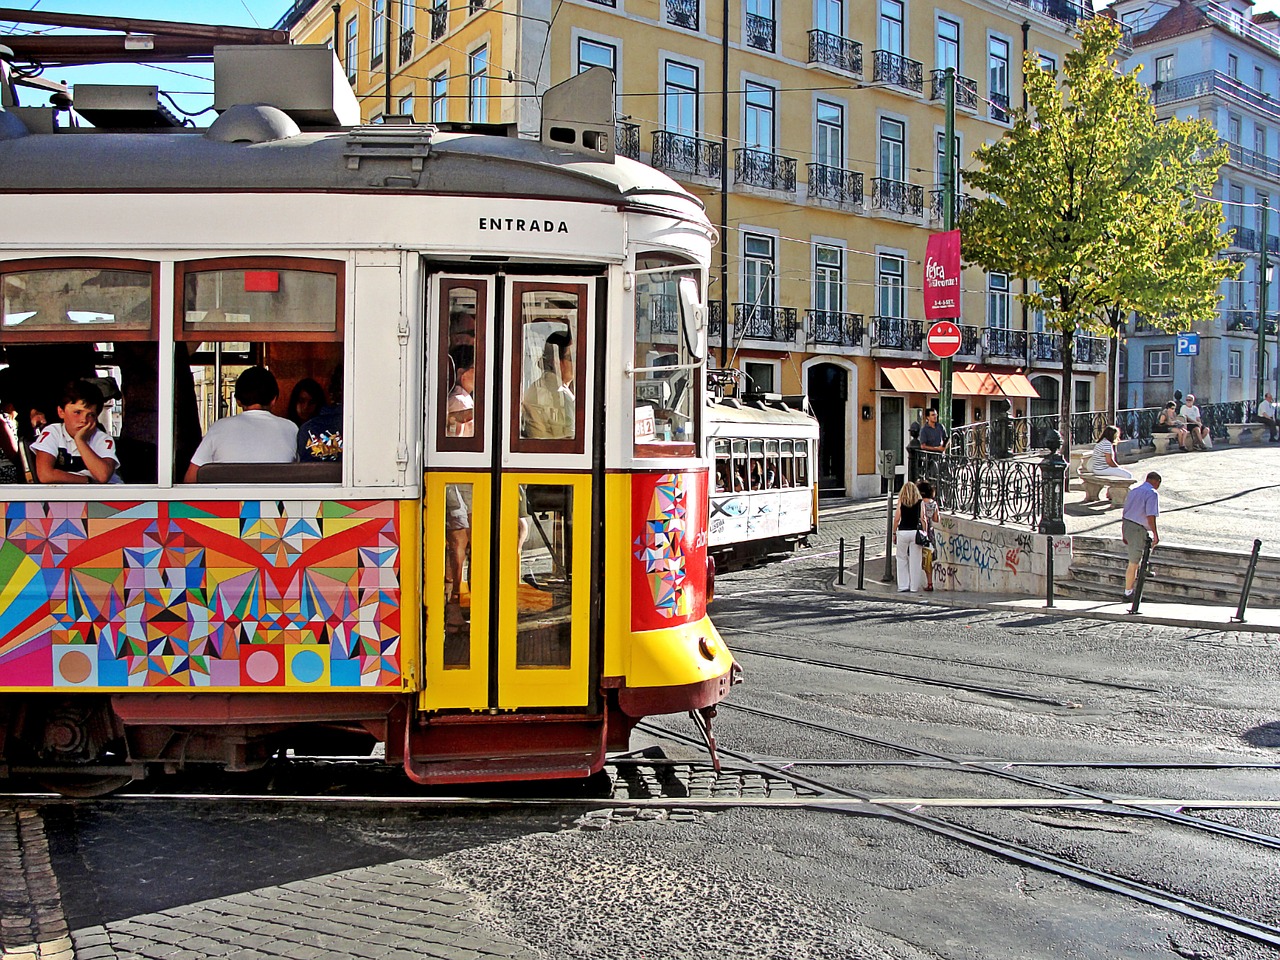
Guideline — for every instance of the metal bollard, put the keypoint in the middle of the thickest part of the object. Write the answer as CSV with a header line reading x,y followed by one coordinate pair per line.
x,y
888,540
840,575
1142,575
862,558
1048,570
1248,582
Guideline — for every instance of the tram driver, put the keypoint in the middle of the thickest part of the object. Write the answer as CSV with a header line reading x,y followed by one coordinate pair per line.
x,y
547,411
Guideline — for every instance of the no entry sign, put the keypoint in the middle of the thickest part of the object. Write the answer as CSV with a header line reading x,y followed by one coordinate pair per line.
x,y
944,339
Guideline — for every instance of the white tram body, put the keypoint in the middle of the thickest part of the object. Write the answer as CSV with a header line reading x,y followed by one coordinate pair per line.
x,y
764,498
489,600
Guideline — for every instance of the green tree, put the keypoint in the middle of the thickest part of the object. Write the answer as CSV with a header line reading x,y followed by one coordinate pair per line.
x,y
1102,208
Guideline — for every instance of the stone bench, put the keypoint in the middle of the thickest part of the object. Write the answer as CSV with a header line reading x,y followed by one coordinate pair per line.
x,y
1244,432
1117,488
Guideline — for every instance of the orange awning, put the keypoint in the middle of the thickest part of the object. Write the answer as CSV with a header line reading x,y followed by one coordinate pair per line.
x,y
909,378
1014,385
974,383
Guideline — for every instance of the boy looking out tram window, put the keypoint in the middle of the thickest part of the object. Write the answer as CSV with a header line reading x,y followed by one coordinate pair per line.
x,y
77,450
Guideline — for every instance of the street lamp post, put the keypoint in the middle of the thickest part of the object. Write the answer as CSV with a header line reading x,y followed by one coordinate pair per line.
x,y
1263,270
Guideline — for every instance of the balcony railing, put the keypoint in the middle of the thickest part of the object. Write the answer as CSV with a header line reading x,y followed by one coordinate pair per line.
x,y
1045,347
1243,238
833,50
627,142
1251,160
1085,349
966,89
897,196
970,337
406,46
894,68
678,153
999,342
759,168
834,183
964,204
683,13
832,328
999,107
715,319
1210,83
760,32
663,313
756,321
439,21
1064,11
896,333
1239,320
1242,25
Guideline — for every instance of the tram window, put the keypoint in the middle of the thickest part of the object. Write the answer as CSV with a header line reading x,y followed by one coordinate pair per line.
x,y
802,464
278,323
461,402
724,467
665,400
544,605
64,321
787,464
548,331
772,472
457,585
756,448
739,465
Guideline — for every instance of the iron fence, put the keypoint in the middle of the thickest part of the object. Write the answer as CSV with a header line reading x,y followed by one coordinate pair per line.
x,y
1001,342
757,321
834,183
835,329
760,168
627,143
406,46
760,32
897,196
833,50
966,89
680,153
439,20
1015,492
897,333
894,68
683,13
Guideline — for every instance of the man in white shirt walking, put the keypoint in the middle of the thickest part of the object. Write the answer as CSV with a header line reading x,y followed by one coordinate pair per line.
x,y
1141,507
255,435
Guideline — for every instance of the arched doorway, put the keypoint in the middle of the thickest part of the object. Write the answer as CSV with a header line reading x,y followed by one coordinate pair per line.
x,y
828,387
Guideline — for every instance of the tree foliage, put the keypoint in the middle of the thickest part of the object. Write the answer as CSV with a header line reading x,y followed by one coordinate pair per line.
x,y
1102,207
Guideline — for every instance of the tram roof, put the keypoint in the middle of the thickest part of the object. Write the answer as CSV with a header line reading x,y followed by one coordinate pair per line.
x,y
377,159
756,411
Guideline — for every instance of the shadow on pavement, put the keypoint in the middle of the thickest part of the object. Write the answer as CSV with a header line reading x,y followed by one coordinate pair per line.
x,y
1266,735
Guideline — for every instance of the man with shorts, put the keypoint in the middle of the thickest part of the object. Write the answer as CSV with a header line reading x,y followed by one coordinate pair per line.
x,y
1141,507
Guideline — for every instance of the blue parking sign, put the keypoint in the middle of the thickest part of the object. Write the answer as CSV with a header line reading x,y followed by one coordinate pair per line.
x,y
1188,345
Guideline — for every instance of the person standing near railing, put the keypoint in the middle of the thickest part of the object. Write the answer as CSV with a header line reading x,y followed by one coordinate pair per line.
x,y
932,436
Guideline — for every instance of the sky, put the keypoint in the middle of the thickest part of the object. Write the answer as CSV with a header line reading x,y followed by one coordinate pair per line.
x,y
191,85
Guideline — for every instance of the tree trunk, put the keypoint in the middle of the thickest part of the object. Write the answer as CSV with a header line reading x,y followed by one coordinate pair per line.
x,y
1114,324
1067,396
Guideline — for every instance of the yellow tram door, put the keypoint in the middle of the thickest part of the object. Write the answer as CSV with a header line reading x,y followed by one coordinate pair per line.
x,y
511,511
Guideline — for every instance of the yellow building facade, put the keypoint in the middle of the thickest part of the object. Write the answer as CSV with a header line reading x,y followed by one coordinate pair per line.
x,y
814,134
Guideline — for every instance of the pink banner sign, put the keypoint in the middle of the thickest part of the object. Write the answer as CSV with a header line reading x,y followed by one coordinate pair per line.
x,y
942,276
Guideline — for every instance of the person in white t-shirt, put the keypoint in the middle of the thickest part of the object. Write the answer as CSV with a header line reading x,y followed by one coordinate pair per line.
x,y
1197,432
77,450
255,435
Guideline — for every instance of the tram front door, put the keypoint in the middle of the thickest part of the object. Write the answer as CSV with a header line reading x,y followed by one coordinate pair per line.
x,y
510,530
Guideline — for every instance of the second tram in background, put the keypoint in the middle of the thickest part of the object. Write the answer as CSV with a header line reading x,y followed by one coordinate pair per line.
x,y
764,499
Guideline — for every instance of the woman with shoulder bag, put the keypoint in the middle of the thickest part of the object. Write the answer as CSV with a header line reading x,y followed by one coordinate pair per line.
x,y
911,532
929,514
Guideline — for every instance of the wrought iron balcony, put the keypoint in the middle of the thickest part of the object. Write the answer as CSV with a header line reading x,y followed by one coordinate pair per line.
x,y
897,196
715,319
678,153
833,50
964,204
627,140
966,89
759,168
1045,347
1000,342
896,333
894,68
970,337
1250,160
836,329
683,13
439,20
406,46
1243,238
756,321
760,32
1089,350
999,107
1239,320
1064,11
1213,83
834,184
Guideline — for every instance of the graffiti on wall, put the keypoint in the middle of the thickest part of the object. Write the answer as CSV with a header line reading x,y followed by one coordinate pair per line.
x,y
985,556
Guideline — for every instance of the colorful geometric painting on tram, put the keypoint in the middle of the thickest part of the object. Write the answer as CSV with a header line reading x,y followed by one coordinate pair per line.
x,y
485,553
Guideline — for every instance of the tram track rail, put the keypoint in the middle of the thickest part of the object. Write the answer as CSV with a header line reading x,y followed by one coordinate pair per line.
x,y
1021,853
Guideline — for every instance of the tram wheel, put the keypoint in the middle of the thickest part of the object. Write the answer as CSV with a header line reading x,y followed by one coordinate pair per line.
x,y
83,786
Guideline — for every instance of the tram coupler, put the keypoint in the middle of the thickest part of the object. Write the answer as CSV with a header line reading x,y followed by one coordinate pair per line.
x,y
702,718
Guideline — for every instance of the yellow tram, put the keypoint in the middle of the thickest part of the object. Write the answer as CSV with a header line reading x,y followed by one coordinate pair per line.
x,y
490,557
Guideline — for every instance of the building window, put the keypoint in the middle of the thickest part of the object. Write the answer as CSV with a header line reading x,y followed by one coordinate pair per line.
x,y
829,17
680,99
1159,365
890,279
998,300
758,270
1233,66
406,105
947,45
593,53
352,47
1084,396
478,88
1235,364
1048,64
1235,208
761,27
760,376
892,18
830,122
1257,78
1233,128
893,146
998,77
828,278
377,40
1164,69
440,97
1259,139
760,117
